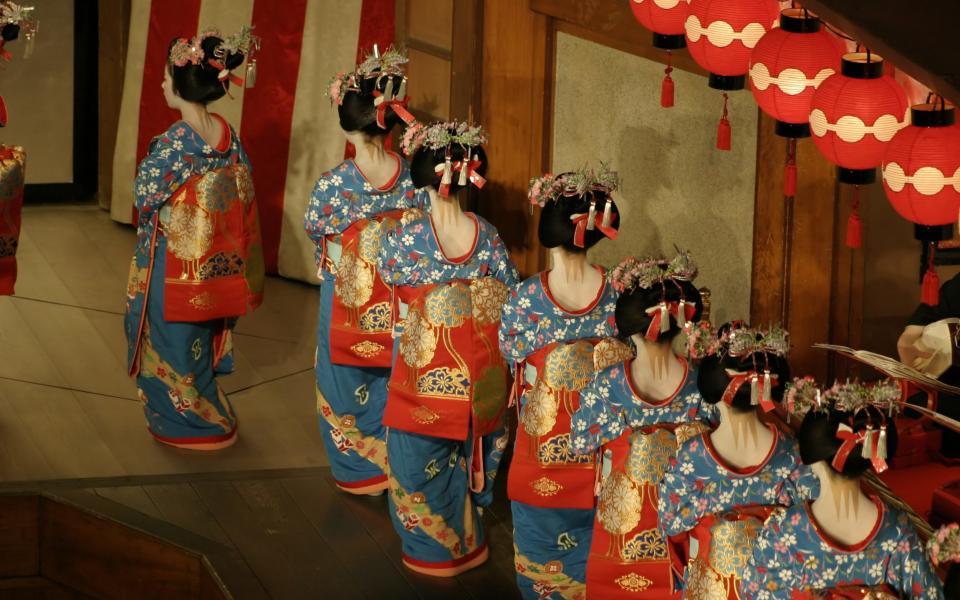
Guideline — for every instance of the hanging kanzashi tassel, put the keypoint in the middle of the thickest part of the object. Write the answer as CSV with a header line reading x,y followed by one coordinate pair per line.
x,y
767,388
250,78
682,313
882,442
592,216
666,88
790,170
930,290
754,390
402,92
464,171
867,448
854,225
723,128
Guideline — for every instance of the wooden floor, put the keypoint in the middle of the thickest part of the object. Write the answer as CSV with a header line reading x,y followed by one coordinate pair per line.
x,y
70,423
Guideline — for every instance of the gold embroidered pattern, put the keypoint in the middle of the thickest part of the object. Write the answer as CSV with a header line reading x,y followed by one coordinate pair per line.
x,y
216,189
609,352
559,451
545,487
540,412
244,183
703,583
368,447
569,366
11,173
448,305
732,545
487,295
189,236
203,301
367,349
418,342
633,582
371,238
650,456
687,431
410,215
620,504
646,545
424,415
444,382
354,283
377,318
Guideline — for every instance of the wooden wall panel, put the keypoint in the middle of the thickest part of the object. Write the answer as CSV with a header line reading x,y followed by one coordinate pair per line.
x,y
430,92
431,22
19,536
517,67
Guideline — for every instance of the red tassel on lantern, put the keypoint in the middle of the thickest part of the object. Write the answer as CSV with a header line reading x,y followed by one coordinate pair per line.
x,y
666,88
930,290
854,225
723,129
790,170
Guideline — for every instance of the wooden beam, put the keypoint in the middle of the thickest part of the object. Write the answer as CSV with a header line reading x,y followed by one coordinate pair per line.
x,y
19,536
918,37
611,23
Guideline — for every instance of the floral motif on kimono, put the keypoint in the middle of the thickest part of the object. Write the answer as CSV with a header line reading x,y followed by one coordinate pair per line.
x,y
554,353
347,218
448,378
723,509
12,172
792,558
638,440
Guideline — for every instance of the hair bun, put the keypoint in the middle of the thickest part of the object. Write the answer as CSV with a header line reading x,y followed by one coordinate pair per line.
x,y
11,31
234,60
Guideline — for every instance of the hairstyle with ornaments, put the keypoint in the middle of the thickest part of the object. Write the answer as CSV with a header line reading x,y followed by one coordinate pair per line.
x,y
15,18
201,67
744,367
447,156
657,296
571,207
373,97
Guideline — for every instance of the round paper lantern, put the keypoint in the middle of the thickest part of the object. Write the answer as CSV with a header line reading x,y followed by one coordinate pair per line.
x,y
665,18
921,167
786,67
854,114
721,34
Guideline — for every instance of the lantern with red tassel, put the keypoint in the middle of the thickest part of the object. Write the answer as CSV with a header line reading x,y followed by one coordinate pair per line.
x,y
921,177
853,116
786,67
721,34
665,18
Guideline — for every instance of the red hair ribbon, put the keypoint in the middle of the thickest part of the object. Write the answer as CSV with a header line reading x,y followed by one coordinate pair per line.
x,y
761,387
581,221
4,53
873,442
466,174
681,310
398,106
224,72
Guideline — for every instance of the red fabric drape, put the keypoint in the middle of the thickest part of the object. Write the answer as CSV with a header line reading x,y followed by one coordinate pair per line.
x,y
377,26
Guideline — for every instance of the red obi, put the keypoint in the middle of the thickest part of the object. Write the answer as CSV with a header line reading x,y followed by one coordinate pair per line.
x,y
361,320
545,470
449,374
214,261
628,552
12,168
724,544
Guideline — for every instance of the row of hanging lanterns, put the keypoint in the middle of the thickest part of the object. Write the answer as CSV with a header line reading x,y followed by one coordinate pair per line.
x,y
858,116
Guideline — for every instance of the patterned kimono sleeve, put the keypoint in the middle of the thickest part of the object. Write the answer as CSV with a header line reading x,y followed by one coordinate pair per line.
x,y
910,571
321,219
598,420
769,574
241,152
801,485
513,321
398,260
503,268
159,175
681,502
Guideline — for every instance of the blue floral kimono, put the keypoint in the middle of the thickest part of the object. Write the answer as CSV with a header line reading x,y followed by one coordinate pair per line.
x,y
447,436
176,363
554,353
723,508
638,440
350,398
793,557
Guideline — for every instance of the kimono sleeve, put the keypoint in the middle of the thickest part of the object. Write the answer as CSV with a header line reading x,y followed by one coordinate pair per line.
x,y
513,322
681,503
503,268
910,571
160,174
598,420
769,574
323,215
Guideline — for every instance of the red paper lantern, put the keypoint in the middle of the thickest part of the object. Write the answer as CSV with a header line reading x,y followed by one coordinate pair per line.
x,y
665,18
786,67
921,167
721,34
854,114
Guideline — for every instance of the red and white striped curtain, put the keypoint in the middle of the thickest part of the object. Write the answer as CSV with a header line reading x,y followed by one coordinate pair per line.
x,y
286,123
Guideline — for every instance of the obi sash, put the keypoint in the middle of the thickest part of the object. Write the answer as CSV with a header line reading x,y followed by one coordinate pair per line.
x,y
12,168
720,547
449,375
214,259
545,471
361,320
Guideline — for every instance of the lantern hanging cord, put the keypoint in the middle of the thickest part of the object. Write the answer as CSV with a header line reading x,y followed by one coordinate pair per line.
x,y
839,33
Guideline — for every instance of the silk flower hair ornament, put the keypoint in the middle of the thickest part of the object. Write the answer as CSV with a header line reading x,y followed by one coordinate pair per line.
x,y
389,64
604,181
632,274
444,136
242,43
742,341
